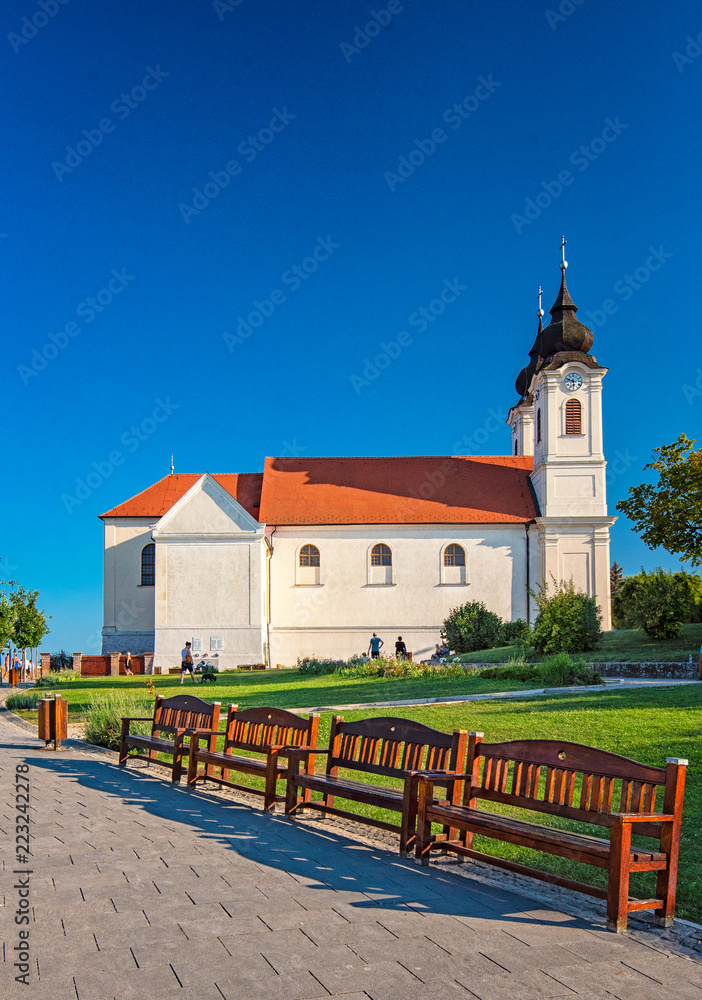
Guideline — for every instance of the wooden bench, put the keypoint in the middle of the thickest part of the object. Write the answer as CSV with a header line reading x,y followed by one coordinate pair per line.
x,y
269,732
579,783
387,747
177,718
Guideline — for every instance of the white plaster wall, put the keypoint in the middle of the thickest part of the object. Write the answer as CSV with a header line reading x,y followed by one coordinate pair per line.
x,y
128,608
210,588
338,617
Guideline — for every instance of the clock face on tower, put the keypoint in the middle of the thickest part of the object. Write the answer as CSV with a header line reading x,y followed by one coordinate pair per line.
x,y
573,381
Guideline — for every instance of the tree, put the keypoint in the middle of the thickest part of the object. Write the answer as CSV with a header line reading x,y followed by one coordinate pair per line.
x,y
8,613
30,625
669,513
568,621
658,602
616,581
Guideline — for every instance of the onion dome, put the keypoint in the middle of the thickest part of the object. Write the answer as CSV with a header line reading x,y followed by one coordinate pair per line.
x,y
565,332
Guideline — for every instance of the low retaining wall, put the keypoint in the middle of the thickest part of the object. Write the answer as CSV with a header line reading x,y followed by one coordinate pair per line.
x,y
662,671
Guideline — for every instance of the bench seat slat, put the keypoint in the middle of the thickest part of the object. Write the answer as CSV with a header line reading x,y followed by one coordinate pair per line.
x,y
357,791
564,842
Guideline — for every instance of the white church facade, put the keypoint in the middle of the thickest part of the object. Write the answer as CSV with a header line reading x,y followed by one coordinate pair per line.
x,y
312,556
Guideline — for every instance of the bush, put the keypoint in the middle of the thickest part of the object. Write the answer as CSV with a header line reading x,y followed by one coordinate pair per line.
x,y
23,700
471,627
515,633
55,679
568,621
560,670
512,672
316,665
103,721
61,661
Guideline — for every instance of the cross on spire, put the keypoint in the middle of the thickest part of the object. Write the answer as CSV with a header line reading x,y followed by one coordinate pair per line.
x,y
564,263
172,466
540,311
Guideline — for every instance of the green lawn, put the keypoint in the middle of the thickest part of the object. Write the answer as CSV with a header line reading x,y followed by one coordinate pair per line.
x,y
625,644
645,724
283,688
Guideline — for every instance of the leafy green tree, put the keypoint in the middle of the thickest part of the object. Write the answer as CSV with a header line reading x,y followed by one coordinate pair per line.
x,y
616,581
658,602
669,513
568,620
31,623
8,613
471,627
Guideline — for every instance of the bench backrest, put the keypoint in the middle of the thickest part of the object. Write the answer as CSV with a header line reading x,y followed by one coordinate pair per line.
x,y
572,780
257,728
184,712
393,747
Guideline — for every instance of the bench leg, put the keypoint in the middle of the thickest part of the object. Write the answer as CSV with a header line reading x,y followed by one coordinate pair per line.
x,y
192,765
618,884
291,799
667,880
271,778
423,838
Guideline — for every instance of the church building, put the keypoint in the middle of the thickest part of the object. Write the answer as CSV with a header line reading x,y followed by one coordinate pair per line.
x,y
313,555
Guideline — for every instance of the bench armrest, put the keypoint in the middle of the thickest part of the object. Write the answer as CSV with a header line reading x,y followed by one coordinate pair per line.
x,y
439,775
137,718
643,817
301,752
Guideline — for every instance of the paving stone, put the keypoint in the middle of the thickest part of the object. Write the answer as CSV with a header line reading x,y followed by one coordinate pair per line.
x,y
516,986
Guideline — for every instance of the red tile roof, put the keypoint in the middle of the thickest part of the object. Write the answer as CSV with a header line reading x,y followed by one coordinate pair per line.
x,y
155,501
425,490
433,490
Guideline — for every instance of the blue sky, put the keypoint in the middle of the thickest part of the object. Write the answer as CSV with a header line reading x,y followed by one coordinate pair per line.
x,y
173,169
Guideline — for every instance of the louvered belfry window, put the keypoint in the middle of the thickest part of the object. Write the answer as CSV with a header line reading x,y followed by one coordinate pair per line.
x,y
538,426
573,417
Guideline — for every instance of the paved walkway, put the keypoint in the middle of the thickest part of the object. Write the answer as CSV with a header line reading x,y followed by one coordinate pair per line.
x,y
140,889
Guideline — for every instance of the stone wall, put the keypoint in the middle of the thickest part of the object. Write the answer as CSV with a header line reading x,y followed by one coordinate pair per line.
x,y
673,671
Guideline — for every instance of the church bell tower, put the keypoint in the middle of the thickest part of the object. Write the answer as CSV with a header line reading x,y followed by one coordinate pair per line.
x,y
561,399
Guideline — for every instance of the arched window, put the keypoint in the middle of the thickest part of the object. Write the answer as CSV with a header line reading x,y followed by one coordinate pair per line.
x,y
453,566
573,414
309,555
381,555
380,569
148,565
538,426
454,555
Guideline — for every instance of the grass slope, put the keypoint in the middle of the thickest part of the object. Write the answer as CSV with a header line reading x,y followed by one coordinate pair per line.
x,y
615,647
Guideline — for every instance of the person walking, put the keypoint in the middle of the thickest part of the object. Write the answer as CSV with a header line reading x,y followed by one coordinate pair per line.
x,y
128,665
400,649
186,663
374,646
